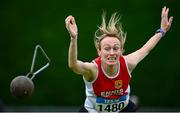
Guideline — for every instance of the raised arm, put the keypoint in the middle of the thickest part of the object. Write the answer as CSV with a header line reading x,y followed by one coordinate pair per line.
x,y
134,58
79,67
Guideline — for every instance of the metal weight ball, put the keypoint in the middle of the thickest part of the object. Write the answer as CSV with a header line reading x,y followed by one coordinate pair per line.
x,y
22,87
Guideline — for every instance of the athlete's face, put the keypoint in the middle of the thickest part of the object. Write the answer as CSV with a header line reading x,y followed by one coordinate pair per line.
x,y
110,50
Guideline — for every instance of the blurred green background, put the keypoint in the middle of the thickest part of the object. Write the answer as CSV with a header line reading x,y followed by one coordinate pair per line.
x,y
26,23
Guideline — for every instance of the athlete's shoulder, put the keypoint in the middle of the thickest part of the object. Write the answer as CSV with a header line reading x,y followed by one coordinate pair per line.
x,y
97,59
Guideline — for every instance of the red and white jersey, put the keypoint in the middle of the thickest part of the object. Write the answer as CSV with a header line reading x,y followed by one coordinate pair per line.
x,y
108,94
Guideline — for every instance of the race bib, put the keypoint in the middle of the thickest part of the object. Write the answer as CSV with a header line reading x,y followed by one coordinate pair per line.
x,y
110,105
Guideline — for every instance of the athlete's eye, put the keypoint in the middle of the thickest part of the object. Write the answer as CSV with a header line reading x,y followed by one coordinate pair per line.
x,y
107,48
116,48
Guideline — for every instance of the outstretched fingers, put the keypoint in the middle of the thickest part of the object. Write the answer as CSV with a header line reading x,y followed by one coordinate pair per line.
x,y
170,20
164,14
165,20
163,11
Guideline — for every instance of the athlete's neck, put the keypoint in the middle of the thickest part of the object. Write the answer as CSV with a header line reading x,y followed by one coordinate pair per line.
x,y
110,70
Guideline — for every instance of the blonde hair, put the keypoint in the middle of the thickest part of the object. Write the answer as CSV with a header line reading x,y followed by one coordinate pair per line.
x,y
114,28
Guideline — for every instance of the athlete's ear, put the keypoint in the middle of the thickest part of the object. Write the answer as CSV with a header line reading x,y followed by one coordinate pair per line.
x,y
122,50
99,51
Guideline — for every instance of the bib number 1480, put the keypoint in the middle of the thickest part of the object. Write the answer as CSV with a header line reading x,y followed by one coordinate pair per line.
x,y
111,107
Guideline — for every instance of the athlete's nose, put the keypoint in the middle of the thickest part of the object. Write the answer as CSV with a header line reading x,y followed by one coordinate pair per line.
x,y
111,51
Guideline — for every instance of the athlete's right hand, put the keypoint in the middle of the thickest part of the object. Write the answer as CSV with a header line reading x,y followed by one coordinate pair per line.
x,y
71,26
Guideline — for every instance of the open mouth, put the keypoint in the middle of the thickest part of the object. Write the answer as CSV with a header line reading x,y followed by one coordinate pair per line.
x,y
112,59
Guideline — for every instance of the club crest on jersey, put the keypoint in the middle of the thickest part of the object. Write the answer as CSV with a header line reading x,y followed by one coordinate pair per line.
x,y
118,84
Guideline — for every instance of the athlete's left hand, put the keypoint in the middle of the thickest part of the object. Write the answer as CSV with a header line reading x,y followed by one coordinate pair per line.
x,y
165,20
